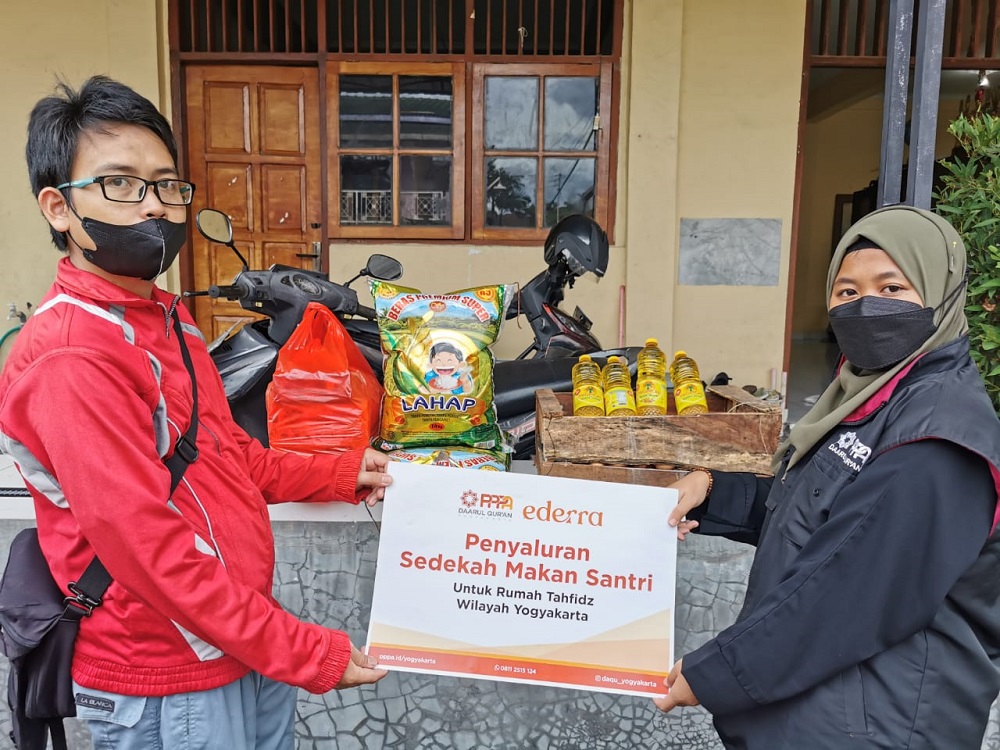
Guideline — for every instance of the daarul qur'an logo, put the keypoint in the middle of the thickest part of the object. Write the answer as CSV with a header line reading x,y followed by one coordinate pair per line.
x,y
851,451
483,503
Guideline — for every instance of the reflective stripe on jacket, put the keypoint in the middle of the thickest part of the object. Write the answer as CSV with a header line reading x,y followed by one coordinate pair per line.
x,y
92,397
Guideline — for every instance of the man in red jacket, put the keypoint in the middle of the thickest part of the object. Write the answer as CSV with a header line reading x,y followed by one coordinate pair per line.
x,y
189,647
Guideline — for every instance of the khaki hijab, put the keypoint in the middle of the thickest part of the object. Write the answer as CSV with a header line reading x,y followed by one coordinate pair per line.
x,y
931,254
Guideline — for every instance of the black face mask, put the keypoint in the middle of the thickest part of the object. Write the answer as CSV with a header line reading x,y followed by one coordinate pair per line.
x,y
874,333
139,251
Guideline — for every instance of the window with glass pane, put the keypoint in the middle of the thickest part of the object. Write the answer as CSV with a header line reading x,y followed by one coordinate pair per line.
x,y
511,113
396,155
511,187
365,189
569,188
539,145
366,111
570,111
425,122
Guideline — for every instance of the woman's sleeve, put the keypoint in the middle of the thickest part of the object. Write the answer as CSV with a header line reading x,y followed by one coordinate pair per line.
x,y
735,507
875,573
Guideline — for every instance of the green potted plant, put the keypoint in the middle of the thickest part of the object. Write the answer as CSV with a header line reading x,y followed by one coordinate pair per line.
x,y
969,198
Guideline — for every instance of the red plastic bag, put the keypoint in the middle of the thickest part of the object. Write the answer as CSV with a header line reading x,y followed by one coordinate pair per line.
x,y
324,397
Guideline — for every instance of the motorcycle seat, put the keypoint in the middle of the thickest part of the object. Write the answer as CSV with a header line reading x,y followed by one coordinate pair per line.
x,y
516,380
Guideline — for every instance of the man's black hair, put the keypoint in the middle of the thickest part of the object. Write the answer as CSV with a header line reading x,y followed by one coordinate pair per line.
x,y
57,122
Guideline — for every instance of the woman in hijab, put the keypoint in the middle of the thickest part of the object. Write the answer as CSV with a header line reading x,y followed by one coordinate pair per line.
x,y
872,613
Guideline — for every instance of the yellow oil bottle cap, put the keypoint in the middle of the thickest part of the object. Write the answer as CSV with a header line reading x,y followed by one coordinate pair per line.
x,y
652,342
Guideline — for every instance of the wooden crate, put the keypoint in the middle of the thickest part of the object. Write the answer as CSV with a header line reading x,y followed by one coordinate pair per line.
x,y
739,433
645,475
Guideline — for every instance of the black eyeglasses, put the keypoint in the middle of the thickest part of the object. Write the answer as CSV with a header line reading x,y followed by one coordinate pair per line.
x,y
123,188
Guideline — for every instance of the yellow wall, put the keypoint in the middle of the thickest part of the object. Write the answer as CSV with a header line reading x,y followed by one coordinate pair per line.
x,y
740,90
708,119
40,44
840,155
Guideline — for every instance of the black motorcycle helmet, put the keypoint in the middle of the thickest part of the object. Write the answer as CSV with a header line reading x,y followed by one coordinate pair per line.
x,y
581,242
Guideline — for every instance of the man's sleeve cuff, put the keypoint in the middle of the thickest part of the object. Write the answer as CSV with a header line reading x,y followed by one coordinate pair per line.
x,y
338,655
713,682
346,487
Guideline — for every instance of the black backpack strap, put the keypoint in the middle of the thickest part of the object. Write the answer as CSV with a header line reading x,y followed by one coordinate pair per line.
x,y
186,447
89,589
57,731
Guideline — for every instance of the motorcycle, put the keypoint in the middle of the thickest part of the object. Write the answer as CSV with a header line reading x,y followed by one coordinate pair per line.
x,y
575,246
246,359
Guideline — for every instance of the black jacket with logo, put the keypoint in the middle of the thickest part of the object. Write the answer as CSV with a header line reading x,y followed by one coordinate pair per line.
x,y
872,614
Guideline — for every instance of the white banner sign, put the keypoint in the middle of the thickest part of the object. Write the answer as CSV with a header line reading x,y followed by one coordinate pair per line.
x,y
525,578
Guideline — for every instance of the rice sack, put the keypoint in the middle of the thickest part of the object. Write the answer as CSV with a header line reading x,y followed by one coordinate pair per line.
x,y
458,457
438,366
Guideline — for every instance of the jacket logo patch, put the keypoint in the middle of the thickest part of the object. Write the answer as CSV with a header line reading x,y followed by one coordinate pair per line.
x,y
851,451
96,702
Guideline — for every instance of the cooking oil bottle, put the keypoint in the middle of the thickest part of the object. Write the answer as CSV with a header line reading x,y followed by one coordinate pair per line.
x,y
651,383
619,400
689,395
588,390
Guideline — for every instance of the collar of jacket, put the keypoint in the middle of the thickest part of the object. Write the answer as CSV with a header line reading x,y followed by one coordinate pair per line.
x,y
91,285
942,358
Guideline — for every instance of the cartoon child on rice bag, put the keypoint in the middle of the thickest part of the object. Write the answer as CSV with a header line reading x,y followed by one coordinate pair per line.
x,y
449,372
439,366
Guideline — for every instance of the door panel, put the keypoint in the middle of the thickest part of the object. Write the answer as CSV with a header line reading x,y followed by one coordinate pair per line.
x,y
227,118
230,189
283,193
282,128
252,137
286,253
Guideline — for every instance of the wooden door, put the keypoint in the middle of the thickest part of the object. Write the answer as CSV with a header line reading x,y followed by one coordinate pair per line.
x,y
253,152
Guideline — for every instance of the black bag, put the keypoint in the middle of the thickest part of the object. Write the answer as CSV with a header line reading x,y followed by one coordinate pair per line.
x,y
39,625
37,632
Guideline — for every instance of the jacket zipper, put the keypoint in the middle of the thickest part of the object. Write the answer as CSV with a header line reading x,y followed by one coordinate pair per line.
x,y
168,313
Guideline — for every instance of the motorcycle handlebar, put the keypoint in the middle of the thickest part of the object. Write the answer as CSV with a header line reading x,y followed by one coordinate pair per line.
x,y
229,291
366,312
215,291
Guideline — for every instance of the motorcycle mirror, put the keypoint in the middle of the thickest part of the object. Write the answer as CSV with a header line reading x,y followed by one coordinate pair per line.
x,y
214,225
383,267
380,267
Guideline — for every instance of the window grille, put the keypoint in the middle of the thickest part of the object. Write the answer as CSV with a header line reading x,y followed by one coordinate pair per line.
x,y
534,29
857,28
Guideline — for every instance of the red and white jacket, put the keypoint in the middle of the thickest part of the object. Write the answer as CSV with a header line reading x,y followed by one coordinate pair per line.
x,y
92,397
